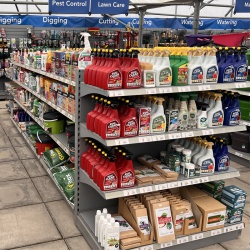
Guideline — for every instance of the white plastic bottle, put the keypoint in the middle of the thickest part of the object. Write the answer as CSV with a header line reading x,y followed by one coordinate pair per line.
x,y
215,116
112,237
210,68
108,217
183,114
85,55
202,119
197,148
99,227
153,105
97,217
102,229
192,113
212,99
201,152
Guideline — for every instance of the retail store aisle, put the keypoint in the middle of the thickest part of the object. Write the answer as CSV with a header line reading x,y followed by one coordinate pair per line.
x,y
33,214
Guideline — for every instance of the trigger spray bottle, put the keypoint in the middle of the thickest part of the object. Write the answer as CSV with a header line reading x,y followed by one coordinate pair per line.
x,y
85,55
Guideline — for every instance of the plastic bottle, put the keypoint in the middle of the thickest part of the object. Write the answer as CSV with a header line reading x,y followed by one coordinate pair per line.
x,y
226,69
201,152
202,118
103,226
197,148
195,71
206,162
215,116
85,55
241,66
99,227
222,159
183,114
158,119
112,235
232,112
212,98
192,112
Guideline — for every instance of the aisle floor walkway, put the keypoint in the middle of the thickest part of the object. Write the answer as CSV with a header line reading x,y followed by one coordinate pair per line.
x,y
33,214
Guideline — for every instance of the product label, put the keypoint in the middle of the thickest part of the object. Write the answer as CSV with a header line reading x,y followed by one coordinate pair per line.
x,y
158,124
128,179
197,75
113,130
207,166
183,121
218,118
110,182
190,216
149,78
134,78
112,241
228,74
84,60
164,221
238,204
186,158
192,120
179,220
144,121
124,225
241,73
115,80
235,117
143,224
203,122
183,74
172,120
223,163
165,77
131,127
212,74
216,219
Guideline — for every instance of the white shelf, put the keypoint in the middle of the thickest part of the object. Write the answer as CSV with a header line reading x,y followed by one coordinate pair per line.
x,y
88,89
62,111
84,132
41,72
181,182
247,123
42,162
241,92
60,139
243,155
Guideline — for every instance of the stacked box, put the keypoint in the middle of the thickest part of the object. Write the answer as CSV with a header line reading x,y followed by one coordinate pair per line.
x,y
214,188
62,96
71,100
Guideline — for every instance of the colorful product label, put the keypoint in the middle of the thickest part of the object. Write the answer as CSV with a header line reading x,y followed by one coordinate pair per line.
x,y
113,130
144,121
115,80
228,74
216,219
235,117
134,78
110,182
165,77
212,74
158,124
218,118
131,128
207,166
172,120
143,224
197,75
127,179
190,216
183,122
203,122
164,221
192,120
223,163
179,220
241,73
183,75
112,241
124,225
149,78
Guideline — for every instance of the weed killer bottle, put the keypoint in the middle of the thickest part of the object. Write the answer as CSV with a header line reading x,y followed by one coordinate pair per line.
x,y
216,114
241,67
112,237
222,160
210,67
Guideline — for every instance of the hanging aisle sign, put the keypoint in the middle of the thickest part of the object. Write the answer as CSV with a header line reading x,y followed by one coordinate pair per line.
x,y
88,6
242,6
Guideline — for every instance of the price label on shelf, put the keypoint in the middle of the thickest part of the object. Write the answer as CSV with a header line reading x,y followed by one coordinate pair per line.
x,y
151,91
162,186
167,244
129,192
148,247
196,181
70,116
238,154
208,132
187,134
63,112
165,90
216,232
145,139
158,137
205,179
184,89
204,87
174,136
197,236
121,142
171,185
241,85
182,240
116,93
146,190
241,226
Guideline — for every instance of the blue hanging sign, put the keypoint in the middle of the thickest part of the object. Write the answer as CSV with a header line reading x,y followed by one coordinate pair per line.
x,y
109,6
69,6
242,6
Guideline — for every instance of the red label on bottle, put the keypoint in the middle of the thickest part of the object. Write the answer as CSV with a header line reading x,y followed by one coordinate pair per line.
x,y
144,121
113,130
110,182
115,80
127,179
134,78
131,127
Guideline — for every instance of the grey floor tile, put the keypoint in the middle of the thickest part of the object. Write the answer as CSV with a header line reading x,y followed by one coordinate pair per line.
x,y
77,243
18,193
245,177
55,245
17,141
5,116
47,189
240,167
5,142
11,131
8,154
63,218
212,247
6,124
24,152
27,225
34,168
3,105
13,170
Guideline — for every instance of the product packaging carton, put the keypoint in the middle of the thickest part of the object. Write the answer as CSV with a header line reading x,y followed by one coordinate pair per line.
x,y
124,211
234,215
231,204
178,214
234,194
62,96
131,246
144,116
164,170
130,241
213,186
53,92
74,59
71,100
195,192
148,160
68,65
171,120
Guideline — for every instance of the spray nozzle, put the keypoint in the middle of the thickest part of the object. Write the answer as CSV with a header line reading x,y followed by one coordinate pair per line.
x,y
160,100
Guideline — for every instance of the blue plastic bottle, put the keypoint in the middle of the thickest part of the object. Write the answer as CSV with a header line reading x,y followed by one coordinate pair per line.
x,y
228,99
232,113
221,58
226,69
241,67
222,160
217,145
236,54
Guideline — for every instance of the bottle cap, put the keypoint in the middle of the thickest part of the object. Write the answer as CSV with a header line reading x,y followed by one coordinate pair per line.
x,y
179,149
190,166
98,212
186,152
108,216
117,224
104,210
112,220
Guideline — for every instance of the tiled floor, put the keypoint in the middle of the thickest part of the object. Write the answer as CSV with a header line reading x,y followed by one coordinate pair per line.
x,y
33,215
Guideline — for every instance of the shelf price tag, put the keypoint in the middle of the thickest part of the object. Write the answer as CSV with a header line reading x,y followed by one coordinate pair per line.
x,y
205,179
129,192
238,154
174,136
70,116
197,236
116,93
182,240
151,91
158,137
148,247
121,142
184,89
208,132
204,87
145,139
167,244
216,232
187,134
241,85
162,186
165,90
146,190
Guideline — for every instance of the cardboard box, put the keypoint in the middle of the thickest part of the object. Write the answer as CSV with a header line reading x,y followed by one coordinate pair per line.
x,y
130,246
195,192
130,241
228,203
148,160
234,215
234,194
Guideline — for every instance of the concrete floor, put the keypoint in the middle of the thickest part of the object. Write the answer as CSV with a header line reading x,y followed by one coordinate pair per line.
x,y
33,215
